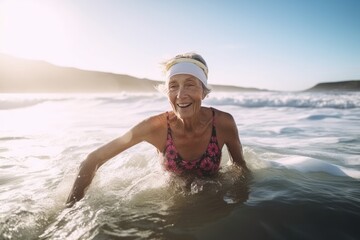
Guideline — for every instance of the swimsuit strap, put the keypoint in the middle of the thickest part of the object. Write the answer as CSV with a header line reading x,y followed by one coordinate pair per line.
x,y
167,118
213,133
168,126
213,116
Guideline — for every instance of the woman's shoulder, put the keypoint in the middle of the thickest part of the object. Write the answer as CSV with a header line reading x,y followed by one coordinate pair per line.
x,y
152,129
224,121
156,121
222,116
225,126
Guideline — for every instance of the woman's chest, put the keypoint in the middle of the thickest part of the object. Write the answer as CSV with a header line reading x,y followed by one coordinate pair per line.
x,y
192,147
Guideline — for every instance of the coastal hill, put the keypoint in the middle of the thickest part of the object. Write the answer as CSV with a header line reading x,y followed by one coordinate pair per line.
x,y
30,76
353,85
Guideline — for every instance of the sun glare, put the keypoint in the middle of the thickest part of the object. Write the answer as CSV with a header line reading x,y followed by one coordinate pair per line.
x,y
33,29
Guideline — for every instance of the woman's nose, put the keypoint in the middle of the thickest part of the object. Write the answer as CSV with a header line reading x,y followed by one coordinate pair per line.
x,y
181,92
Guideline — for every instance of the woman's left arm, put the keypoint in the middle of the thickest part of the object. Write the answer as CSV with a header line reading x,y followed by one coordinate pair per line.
x,y
232,142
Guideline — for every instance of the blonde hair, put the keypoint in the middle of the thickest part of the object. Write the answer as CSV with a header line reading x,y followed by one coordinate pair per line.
x,y
188,57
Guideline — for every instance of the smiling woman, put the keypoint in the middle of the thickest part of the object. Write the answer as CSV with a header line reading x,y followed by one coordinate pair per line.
x,y
34,29
189,138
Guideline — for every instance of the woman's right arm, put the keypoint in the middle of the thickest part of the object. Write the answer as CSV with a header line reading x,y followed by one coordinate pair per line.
x,y
93,161
144,131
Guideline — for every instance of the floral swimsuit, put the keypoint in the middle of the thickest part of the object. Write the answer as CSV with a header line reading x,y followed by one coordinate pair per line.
x,y
207,165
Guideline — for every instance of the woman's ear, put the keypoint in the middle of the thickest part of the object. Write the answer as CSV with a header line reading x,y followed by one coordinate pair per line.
x,y
204,95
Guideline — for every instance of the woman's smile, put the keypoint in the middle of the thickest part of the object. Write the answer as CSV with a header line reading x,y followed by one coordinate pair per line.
x,y
184,105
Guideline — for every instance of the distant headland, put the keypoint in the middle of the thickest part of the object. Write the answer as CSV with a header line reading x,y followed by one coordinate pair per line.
x,y
32,76
352,85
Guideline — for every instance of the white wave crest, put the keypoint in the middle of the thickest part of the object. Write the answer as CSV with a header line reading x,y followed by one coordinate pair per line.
x,y
283,99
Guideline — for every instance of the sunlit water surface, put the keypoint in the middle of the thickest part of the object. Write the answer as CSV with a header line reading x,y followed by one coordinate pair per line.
x,y
303,150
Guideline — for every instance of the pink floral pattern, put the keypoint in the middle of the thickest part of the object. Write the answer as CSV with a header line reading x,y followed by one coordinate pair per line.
x,y
171,166
213,149
171,152
188,165
207,165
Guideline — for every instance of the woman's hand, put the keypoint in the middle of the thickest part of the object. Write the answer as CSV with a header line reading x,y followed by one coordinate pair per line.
x,y
82,181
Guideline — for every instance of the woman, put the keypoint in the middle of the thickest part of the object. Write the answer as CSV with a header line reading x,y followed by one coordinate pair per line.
x,y
189,138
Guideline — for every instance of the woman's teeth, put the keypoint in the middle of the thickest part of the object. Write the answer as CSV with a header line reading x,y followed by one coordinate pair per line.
x,y
183,105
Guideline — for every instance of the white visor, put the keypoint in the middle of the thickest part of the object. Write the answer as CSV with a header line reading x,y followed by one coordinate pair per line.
x,y
187,68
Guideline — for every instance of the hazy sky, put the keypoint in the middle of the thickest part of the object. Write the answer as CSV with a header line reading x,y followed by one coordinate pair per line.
x,y
272,44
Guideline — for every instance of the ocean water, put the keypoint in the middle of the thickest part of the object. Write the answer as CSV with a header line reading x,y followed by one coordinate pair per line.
x,y
303,150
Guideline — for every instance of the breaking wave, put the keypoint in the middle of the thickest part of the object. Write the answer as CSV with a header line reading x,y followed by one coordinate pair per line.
x,y
293,100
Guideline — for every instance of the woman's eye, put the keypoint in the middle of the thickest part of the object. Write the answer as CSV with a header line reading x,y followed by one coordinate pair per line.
x,y
173,87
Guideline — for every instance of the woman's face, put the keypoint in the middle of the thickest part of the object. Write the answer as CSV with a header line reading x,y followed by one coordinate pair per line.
x,y
185,93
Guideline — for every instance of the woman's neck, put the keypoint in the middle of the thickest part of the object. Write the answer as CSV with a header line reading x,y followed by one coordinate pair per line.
x,y
192,123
